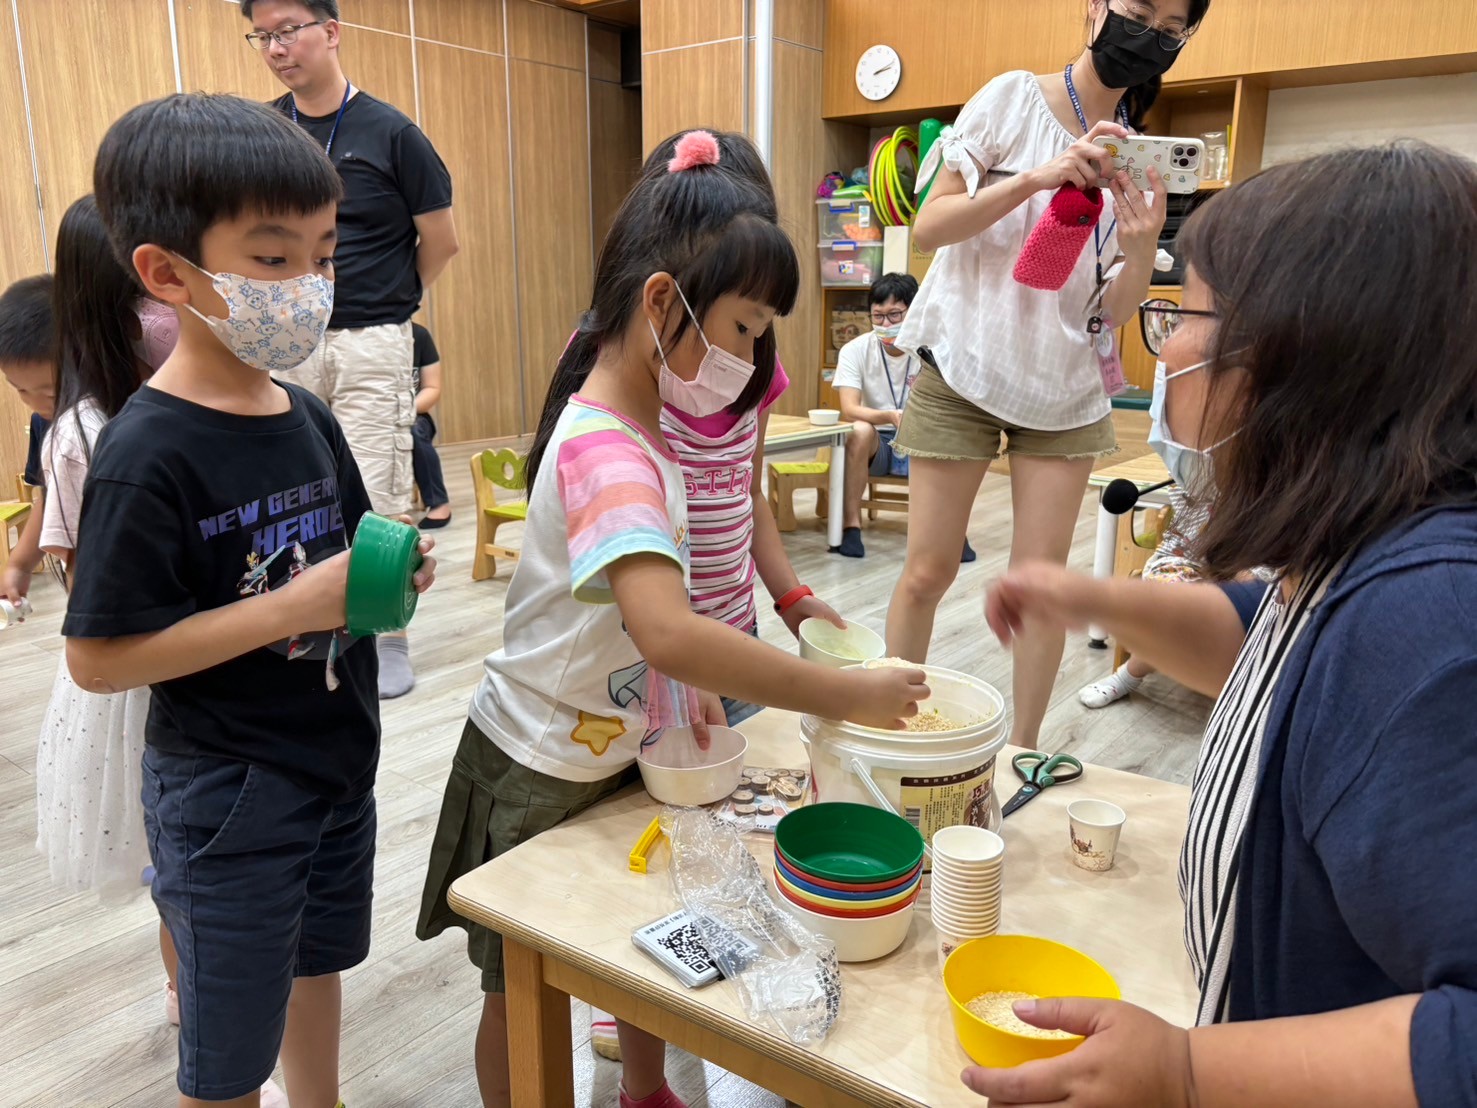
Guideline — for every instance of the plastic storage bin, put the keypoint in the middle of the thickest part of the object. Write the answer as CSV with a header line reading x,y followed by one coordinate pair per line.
x,y
846,220
847,264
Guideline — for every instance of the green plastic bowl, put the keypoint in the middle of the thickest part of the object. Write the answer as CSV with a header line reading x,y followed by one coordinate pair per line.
x,y
849,842
381,595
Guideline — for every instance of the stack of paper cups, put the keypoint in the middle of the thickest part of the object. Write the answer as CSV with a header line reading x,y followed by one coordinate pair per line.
x,y
965,885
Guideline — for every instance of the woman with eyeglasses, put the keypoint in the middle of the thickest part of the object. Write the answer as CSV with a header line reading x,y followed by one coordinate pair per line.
x,y
1321,385
1005,362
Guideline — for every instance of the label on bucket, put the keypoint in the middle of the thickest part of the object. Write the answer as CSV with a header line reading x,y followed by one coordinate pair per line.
x,y
931,803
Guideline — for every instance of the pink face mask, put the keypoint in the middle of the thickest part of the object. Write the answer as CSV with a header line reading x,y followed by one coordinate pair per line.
x,y
160,327
721,376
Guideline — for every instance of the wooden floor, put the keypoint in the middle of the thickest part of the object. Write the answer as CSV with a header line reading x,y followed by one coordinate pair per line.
x,y
80,983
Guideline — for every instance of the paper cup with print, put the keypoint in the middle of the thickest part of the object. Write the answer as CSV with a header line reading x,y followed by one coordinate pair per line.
x,y
1094,826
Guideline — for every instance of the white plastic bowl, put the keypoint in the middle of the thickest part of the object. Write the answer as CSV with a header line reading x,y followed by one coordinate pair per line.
x,y
675,771
857,940
824,417
822,641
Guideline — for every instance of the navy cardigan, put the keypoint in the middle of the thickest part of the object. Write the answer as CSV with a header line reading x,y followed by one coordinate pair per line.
x,y
1357,879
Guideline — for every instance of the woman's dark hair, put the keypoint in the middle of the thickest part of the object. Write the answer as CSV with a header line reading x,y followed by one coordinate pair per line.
x,y
714,229
741,158
93,304
1344,286
1138,100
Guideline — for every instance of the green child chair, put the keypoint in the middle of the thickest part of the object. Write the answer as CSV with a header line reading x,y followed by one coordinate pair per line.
x,y
493,470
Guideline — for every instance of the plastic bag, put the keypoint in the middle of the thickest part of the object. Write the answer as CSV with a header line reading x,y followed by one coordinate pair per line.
x,y
782,970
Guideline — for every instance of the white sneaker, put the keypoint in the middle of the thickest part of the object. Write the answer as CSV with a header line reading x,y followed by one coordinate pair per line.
x,y
603,1038
273,1096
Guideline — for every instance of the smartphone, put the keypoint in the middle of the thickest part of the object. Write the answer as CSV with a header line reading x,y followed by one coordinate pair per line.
x,y
1177,160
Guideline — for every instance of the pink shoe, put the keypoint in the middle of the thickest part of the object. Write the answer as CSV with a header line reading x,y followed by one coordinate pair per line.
x,y
662,1098
171,1004
273,1096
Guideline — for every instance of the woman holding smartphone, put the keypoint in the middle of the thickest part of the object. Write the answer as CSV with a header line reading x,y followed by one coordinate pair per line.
x,y
1001,359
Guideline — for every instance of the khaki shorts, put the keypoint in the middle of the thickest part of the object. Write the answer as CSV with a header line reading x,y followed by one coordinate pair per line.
x,y
939,423
364,376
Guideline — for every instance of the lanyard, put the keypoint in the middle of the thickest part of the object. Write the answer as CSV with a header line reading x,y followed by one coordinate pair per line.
x,y
887,373
349,88
1097,323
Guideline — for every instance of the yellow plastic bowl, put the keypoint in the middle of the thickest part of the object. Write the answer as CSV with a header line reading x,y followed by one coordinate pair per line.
x,y
836,905
1017,963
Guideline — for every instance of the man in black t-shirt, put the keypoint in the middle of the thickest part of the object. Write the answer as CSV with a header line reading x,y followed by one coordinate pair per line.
x,y
395,236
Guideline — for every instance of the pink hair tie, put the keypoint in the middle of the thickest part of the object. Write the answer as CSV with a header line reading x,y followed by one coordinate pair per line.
x,y
694,148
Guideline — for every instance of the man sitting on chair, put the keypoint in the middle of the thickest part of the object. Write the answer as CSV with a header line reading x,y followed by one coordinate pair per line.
x,y
872,379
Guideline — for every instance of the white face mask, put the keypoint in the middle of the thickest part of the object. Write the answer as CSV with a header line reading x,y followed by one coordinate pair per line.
x,y
721,376
1192,468
273,326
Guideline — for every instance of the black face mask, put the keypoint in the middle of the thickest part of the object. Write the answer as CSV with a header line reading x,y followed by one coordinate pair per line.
x,y
1125,61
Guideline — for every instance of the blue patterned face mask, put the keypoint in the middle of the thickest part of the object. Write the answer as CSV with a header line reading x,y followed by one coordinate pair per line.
x,y
273,326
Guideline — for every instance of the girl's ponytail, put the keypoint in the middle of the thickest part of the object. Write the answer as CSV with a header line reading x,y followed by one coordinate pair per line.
x,y
569,377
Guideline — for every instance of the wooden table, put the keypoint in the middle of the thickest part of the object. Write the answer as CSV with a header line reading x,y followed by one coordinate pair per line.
x,y
567,904
787,432
1144,472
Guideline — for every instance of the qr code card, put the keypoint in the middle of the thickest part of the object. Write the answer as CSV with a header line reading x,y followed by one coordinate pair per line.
x,y
674,942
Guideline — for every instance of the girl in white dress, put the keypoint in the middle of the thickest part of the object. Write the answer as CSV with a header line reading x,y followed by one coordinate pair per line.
x,y
89,816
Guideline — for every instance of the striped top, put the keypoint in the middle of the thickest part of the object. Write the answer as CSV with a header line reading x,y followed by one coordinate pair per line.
x,y
1225,784
568,694
717,456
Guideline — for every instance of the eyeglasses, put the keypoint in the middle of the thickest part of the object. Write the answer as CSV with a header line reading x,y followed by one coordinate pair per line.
x,y
282,36
897,315
1139,20
1159,319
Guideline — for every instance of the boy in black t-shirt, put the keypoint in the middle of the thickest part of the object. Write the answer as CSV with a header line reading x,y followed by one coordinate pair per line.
x,y
211,565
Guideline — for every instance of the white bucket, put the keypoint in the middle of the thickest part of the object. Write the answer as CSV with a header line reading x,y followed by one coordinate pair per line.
x,y
933,779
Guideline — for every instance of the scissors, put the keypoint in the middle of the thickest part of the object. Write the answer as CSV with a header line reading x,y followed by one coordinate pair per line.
x,y
1040,771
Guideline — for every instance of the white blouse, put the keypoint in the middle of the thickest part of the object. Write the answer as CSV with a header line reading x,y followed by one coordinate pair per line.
x,y
1021,354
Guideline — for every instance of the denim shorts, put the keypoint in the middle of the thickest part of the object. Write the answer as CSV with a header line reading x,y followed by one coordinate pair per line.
x,y
739,710
259,881
881,464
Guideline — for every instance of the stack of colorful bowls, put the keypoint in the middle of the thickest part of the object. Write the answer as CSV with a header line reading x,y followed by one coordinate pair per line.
x,y
852,873
964,887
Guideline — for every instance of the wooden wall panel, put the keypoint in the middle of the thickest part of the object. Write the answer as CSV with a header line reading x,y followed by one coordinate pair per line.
x,y
214,54
950,48
551,208
802,22
477,24
615,151
605,52
381,15
697,87
20,240
464,99
670,23
77,92
540,32
380,63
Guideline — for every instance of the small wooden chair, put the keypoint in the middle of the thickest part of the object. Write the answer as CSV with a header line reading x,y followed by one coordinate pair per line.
x,y
788,478
1134,552
492,470
886,494
12,516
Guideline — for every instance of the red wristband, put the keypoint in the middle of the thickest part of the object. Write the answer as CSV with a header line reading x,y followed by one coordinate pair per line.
x,y
791,598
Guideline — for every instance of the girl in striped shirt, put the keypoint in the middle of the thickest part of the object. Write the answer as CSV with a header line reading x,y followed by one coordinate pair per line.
x,y
601,648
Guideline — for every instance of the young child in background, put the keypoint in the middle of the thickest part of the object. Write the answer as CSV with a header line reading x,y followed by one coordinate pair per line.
x,y
601,645
426,376
28,361
205,497
89,818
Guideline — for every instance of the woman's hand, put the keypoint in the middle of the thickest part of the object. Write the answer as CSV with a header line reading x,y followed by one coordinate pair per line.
x,y
1039,592
1130,1058
809,607
1139,221
1083,164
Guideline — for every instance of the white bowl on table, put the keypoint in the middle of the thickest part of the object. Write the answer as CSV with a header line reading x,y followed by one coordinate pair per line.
x,y
857,940
824,417
676,772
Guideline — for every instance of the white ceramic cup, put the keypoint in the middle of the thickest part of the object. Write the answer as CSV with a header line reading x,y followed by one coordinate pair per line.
x,y
1095,826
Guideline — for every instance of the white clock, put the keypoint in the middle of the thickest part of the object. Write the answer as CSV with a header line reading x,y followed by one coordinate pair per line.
x,y
878,71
